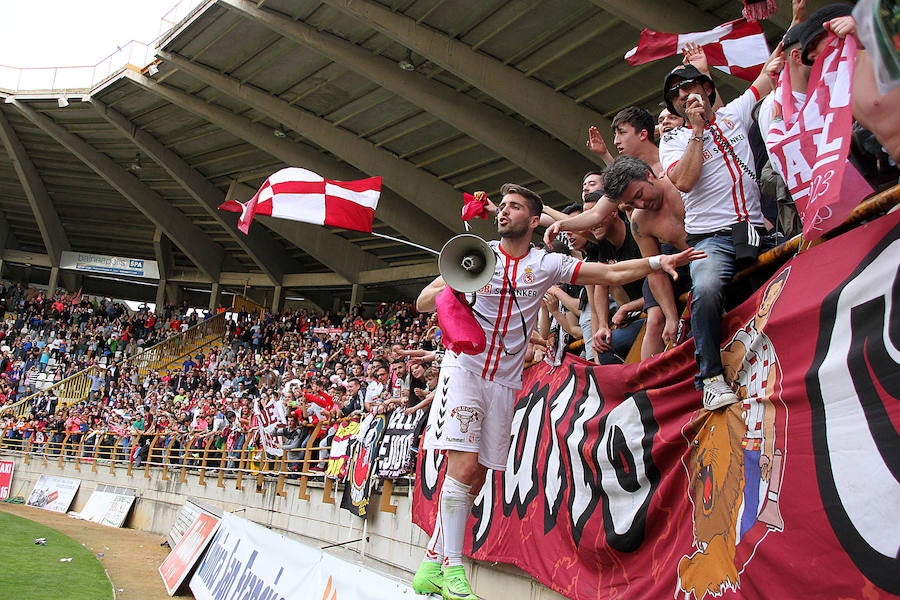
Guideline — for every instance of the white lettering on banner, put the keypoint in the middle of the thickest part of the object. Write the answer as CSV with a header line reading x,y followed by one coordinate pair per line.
x,y
6,467
851,380
824,142
519,485
817,134
613,470
555,469
795,166
268,417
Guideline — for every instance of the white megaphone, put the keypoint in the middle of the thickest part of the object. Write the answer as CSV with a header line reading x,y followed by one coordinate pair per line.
x,y
467,263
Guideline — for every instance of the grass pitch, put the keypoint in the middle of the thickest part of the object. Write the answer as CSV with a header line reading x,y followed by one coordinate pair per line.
x,y
34,572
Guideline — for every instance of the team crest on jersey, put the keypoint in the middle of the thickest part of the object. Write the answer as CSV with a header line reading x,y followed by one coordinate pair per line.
x,y
727,122
528,277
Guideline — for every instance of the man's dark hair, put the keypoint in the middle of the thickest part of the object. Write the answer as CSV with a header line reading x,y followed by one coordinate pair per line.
x,y
559,247
355,380
623,171
568,210
637,117
535,204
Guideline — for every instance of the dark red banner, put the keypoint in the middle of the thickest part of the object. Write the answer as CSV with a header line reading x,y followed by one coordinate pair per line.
x,y
630,490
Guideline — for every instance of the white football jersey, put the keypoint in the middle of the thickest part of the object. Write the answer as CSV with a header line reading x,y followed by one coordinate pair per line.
x,y
514,294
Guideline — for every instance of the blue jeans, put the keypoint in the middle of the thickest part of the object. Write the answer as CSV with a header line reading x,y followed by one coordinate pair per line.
x,y
709,277
621,341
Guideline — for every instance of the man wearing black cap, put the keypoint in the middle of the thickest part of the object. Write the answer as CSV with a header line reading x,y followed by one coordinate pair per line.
x,y
709,160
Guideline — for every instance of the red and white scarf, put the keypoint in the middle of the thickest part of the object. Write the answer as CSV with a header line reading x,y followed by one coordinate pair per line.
x,y
810,145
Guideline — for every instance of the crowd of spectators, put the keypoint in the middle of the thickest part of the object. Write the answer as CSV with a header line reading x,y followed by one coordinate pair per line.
x,y
317,368
672,186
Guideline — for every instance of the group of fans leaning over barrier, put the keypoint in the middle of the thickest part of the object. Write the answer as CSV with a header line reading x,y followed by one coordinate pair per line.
x,y
691,177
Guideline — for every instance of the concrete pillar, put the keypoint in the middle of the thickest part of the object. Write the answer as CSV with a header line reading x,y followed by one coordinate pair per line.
x,y
214,296
173,293
276,298
160,296
54,279
356,294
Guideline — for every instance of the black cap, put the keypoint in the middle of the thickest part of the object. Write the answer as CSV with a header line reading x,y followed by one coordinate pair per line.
x,y
793,35
684,72
814,26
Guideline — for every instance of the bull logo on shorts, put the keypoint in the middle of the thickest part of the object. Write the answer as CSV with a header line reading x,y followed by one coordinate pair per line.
x,y
466,415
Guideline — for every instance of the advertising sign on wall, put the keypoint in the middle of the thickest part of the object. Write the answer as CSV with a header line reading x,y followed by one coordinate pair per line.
x,y
53,493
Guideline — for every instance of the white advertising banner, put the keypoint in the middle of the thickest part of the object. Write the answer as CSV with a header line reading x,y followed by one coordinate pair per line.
x,y
53,493
246,560
110,265
108,505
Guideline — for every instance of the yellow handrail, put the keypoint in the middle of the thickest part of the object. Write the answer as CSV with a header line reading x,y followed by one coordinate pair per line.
x,y
77,386
175,348
74,388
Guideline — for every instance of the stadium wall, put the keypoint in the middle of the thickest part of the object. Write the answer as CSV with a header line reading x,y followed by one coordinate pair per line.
x,y
394,545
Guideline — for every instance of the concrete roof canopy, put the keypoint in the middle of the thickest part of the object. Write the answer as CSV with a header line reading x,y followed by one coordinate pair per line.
x,y
436,96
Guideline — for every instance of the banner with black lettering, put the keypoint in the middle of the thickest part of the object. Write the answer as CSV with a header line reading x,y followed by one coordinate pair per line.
x,y
631,490
363,454
396,457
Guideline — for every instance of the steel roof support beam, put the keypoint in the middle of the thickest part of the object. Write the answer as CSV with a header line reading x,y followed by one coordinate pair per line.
x,y
392,210
420,188
193,241
48,222
552,111
544,157
262,249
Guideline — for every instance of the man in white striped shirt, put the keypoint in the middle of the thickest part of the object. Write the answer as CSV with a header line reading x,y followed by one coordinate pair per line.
x,y
472,419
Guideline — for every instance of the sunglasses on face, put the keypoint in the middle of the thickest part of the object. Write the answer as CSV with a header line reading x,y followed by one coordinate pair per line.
x,y
681,85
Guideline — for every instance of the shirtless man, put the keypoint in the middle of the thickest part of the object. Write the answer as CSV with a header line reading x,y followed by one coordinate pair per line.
x,y
633,136
657,218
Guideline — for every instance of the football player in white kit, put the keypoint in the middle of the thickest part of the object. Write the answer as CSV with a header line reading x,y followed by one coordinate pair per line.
x,y
471,421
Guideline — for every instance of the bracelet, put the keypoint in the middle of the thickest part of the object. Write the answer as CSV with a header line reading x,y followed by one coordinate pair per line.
x,y
655,262
696,138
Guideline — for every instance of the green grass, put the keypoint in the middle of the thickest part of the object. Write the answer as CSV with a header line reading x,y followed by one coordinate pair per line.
x,y
33,572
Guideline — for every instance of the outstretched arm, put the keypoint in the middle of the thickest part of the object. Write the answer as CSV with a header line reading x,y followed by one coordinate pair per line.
x,y
627,271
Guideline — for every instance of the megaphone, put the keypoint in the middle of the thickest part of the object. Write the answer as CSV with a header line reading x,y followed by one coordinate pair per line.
x,y
467,263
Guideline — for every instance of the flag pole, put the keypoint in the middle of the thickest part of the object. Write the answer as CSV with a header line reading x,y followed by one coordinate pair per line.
x,y
407,242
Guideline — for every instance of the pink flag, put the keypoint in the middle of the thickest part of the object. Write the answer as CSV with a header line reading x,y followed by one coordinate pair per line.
x,y
737,47
301,195
809,145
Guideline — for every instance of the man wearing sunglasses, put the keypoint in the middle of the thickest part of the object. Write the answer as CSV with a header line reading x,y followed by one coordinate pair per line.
x,y
471,414
710,161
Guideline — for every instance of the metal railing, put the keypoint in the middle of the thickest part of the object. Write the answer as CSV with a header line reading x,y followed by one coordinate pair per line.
x,y
77,386
177,455
70,390
79,80
175,348
242,303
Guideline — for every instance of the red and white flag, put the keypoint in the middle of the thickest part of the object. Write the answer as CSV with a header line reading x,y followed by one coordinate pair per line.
x,y
301,195
737,47
809,144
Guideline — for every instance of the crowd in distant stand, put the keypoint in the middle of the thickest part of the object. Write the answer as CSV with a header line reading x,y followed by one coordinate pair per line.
x,y
318,367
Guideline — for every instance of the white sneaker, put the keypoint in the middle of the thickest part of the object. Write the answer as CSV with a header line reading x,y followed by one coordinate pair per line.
x,y
717,393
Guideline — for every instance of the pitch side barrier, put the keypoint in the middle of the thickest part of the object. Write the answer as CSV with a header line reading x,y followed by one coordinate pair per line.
x,y
177,455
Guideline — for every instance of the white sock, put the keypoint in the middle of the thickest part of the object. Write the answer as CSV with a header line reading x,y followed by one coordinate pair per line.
x,y
434,551
453,512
